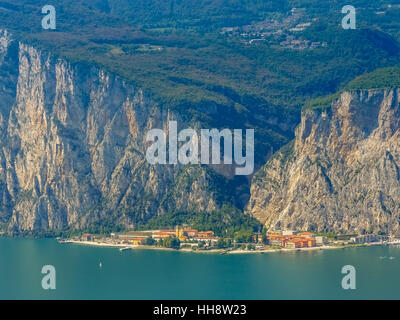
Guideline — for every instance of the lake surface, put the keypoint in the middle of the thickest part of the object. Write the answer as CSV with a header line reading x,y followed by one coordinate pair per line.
x,y
151,274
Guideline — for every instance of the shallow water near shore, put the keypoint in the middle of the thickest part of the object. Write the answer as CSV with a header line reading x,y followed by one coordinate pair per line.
x,y
152,274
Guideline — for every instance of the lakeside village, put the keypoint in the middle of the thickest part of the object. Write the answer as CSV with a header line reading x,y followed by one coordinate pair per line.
x,y
285,32
187,239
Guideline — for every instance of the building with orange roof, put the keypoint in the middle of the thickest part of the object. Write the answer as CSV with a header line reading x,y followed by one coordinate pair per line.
x,y
139,240
191,233
307,234
312,242
291,240
277,240
292,244
160,235
205,234
257,237
169,231
184,234
87,237
300,243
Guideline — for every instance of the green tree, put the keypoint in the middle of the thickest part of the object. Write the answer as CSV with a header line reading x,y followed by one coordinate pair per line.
x,y
150,241
243,236
172,242
224,243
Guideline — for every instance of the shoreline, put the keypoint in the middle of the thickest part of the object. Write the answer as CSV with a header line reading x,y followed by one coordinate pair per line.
x,y
138,247
221,251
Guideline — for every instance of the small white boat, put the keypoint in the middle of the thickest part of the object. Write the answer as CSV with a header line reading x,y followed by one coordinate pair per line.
x,y
123,249
100,264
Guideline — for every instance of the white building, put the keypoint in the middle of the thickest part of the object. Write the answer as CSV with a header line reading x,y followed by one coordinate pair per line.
x,y
321,240
288,232
367,238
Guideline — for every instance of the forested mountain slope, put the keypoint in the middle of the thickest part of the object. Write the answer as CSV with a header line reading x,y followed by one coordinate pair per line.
x,y
81,97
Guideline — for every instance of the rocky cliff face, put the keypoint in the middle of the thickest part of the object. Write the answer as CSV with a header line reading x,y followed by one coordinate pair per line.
x,y
72,148
341,173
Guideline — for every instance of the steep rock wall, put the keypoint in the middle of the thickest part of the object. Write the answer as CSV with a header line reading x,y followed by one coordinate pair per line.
x,y
341,173
72,148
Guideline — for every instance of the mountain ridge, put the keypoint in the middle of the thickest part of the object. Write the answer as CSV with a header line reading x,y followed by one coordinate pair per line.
x,y
73,146
341,173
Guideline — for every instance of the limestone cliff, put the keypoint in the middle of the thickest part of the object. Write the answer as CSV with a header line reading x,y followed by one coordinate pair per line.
x,y
341,173
72,146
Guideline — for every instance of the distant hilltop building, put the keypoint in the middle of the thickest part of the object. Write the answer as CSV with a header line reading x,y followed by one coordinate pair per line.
x,y
254,40
303,25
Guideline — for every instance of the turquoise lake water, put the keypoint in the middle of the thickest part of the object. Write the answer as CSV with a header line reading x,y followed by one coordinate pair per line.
x,y
150,274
